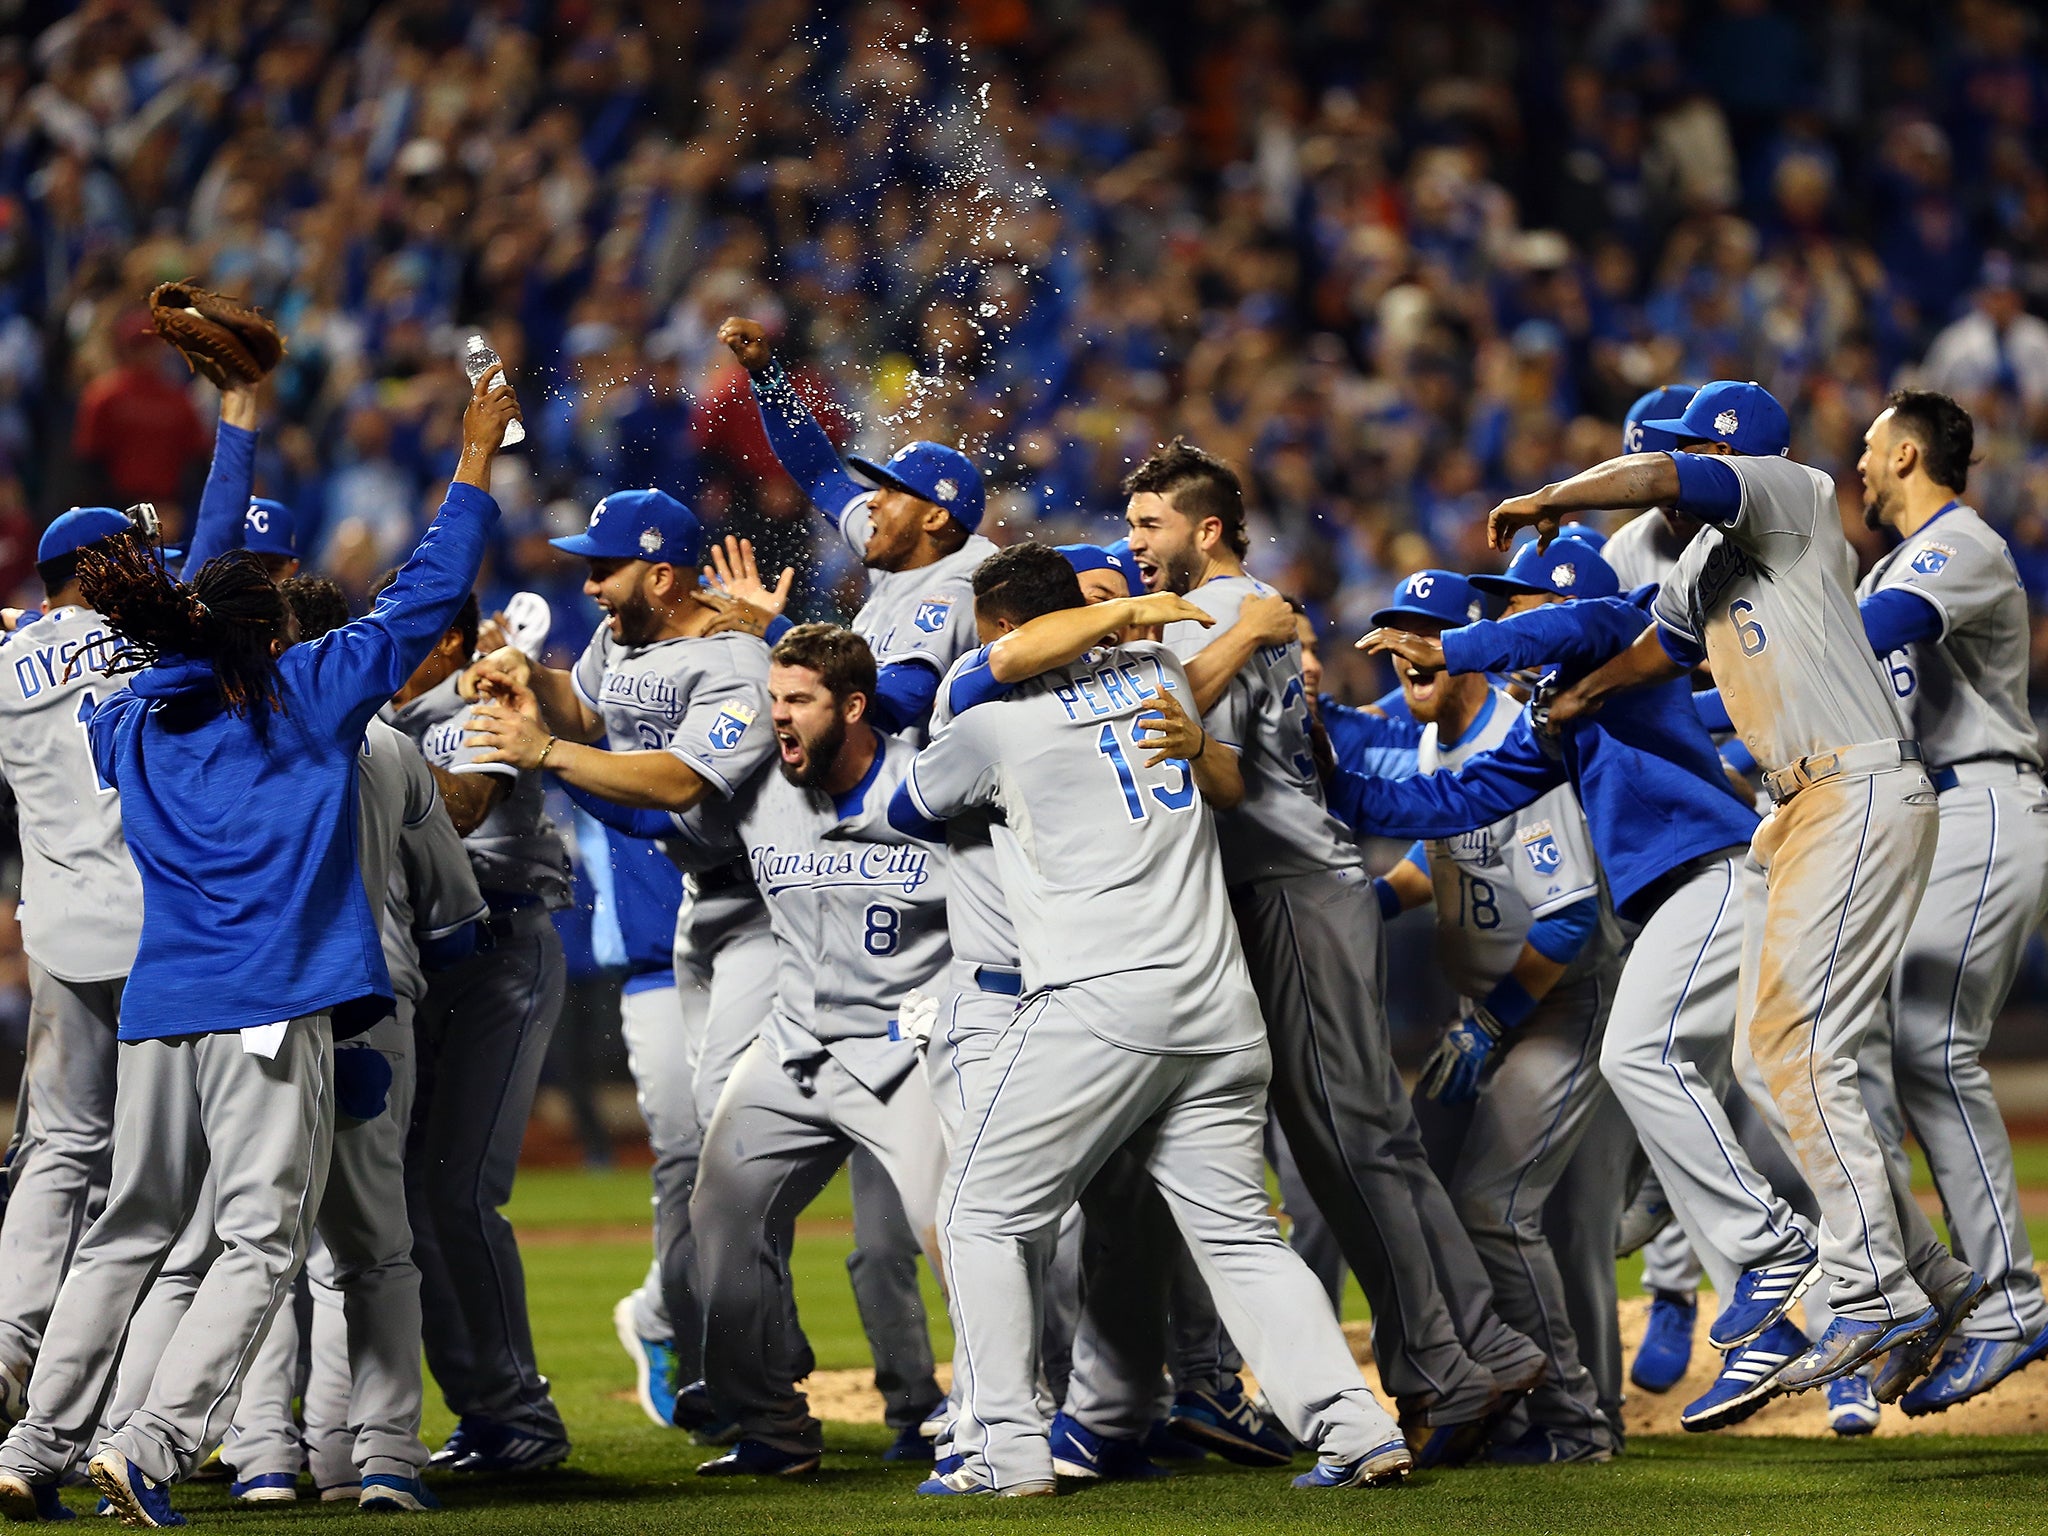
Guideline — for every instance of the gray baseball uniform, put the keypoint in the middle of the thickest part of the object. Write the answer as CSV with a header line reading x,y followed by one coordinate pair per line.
x,y
1141,1028
706,700
1642,550
1504,1154
481,1035
1845,857
925,615
857,924
417,875
81,917
1965,698
1312,935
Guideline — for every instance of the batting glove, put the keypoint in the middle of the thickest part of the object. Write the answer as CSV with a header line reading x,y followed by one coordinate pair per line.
x,y
915,1016
1452,1073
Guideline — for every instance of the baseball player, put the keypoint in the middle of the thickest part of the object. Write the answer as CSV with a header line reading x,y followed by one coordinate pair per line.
x,y
1946,611
1669,836
81,915
1527,940
1761,594
684,715
1644,549
481,1036
240,981
1141,1029
364,1394
1312,933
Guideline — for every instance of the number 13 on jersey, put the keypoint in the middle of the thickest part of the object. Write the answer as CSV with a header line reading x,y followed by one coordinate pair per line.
x,y
1178,797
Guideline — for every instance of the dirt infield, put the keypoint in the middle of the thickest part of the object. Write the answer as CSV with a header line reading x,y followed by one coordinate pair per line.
x,y
2018,1406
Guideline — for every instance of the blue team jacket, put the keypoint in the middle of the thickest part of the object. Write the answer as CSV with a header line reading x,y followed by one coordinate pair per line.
x,y
1644,767
244,829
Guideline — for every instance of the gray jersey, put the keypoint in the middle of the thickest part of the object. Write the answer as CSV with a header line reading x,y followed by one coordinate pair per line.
x,y
1111,874
1964,695
81,900
1770,599
705,699
1643,550
925,615
1494,883
859,916
415,873
977,918
1282,827
516,852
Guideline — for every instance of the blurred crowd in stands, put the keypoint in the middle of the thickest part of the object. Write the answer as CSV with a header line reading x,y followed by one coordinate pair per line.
x,y
1396,258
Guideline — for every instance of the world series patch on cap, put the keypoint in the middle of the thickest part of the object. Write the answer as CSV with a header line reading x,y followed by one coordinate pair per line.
x,y
639,525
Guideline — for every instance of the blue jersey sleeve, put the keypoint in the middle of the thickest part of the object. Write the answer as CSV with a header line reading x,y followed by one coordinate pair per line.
x,y
1494,784
1579,635
904,692
801,446
224,503
1898,617
1560,936
351,671
1712,712
905,817
975,683
1708,488
620,818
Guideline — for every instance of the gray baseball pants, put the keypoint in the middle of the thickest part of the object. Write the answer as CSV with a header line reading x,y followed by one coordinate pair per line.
x,y
365,1389
1668,1058
66,1149
773,1144
1985,898
1845,862
482,1036
1314,947
177,1098
1581,1218
1055,1102
1503,1155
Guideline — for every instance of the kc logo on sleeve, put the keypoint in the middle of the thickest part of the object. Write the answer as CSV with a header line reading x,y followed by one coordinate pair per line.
x,y
1540,843
1931,558
730,724
932,614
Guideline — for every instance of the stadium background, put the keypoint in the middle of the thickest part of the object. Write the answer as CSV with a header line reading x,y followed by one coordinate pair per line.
x,y
1395,260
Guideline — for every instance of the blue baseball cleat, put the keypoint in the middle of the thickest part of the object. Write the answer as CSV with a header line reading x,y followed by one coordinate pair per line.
x,y
387,1495
1748,1379
1229,1423
1852,1410
266,1488
654,1366
21,1499
500,1449
910,1444
1969,1368
1077,1451
963,1483
136,1500
1849,1344
1665,1354
461,1441
695,1412
1377,1468
757,1458
1762,1296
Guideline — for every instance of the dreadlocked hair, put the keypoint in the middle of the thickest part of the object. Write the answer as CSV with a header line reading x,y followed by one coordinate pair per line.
x,y
227,617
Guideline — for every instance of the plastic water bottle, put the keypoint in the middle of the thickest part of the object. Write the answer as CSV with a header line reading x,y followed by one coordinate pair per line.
x,y
477,360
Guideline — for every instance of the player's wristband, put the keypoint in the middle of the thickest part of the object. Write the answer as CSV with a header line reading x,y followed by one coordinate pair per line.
x,y
1509,1002
541,761
1389,898
1201,749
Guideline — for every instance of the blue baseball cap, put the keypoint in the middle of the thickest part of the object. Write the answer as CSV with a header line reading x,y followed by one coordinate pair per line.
x,y
1584,533
932,472
1094,557
75,529
1442,595
1664,401
639,525
1568,568
1744,416
268,528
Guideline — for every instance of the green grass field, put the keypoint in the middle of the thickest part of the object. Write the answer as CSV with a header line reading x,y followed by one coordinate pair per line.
x,y
628,1476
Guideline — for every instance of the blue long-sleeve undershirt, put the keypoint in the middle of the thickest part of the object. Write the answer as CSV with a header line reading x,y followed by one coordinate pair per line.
x,y
1560,936
1708,488
800,444
1898,617
904,691
224,503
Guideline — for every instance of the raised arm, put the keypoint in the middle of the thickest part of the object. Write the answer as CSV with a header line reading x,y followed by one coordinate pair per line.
x,y
1636,481
799,443
230,480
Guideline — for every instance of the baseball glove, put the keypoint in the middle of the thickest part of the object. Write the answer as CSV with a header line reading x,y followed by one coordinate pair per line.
x,y
228,341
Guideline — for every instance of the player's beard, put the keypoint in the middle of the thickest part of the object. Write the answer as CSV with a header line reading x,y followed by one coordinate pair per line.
x,y
819,756
1875,506
1178,571
637,622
